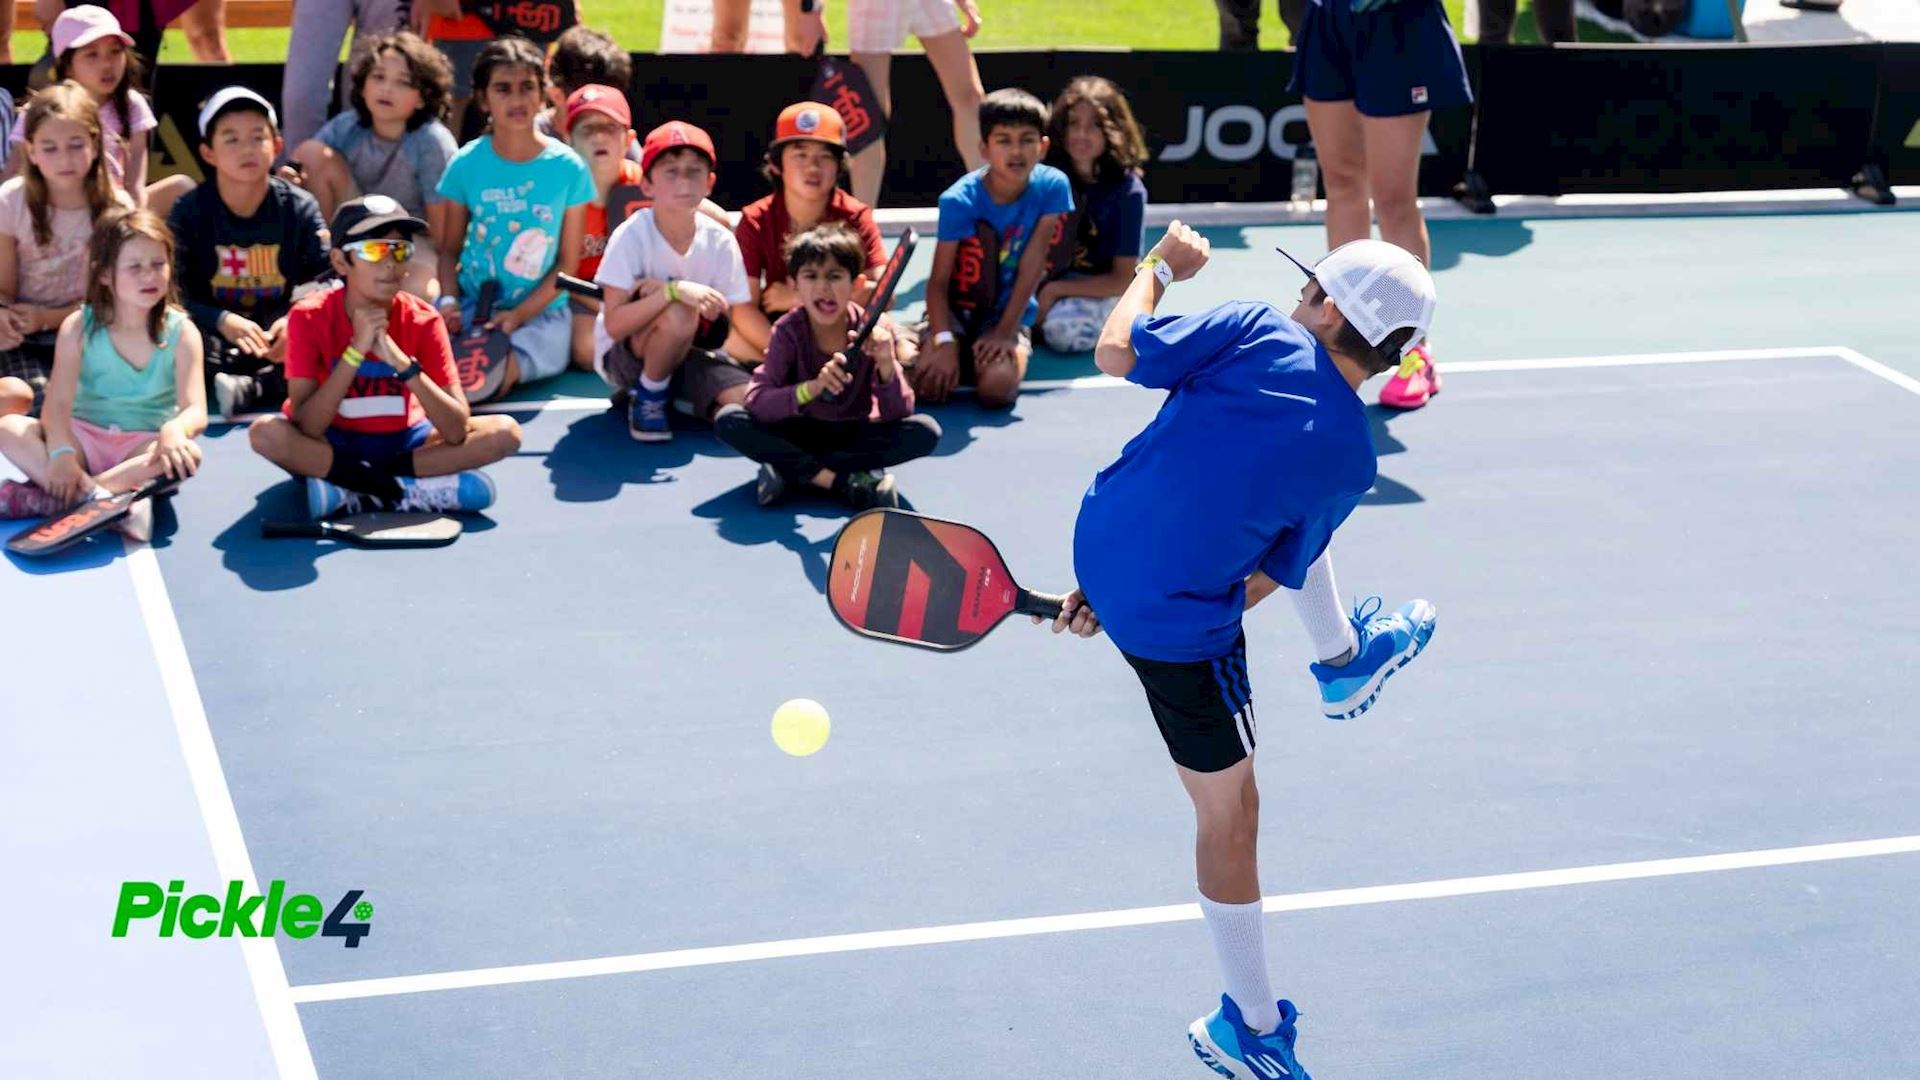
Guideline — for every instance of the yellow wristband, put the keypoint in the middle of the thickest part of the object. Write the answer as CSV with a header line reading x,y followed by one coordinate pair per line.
x,y
673,292
1159,267
801,394
352,357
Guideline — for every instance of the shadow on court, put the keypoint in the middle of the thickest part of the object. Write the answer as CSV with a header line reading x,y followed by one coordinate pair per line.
x,y
596,458
276,565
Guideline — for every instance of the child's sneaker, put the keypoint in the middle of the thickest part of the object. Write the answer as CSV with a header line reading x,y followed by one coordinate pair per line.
x,y
1385,644
137,526
461,493
770,488
867,490
326,500
1415,382
20,499
647,415
1226,1045
234,395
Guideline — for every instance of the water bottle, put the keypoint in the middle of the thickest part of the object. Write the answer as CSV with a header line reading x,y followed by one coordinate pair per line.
x,y
1306,177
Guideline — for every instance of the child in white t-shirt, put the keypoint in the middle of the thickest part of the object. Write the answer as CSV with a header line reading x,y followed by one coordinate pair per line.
x,y
670,277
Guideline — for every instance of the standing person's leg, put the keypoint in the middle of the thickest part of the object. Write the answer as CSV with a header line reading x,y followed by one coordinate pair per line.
x,y
730,20
205,24
953,62
1555,21
320,26
1293,13
868,168
1239,25
1496,21
7,12
1340,143
1393,179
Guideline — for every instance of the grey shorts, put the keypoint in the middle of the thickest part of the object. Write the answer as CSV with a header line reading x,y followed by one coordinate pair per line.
x,y
702,377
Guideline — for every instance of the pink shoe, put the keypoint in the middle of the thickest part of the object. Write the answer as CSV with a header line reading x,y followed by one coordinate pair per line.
x,y
1415,382
23,500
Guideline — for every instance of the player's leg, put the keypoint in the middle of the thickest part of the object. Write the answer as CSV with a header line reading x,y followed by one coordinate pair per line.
x,y
489,439
324,173
959,75
1340,143
16,397
1392,156
780,449
137,467
23,441
644,365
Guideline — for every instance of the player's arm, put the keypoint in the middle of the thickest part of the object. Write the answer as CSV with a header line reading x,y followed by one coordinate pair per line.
x,y
1184,252
939,282
631,310
1033,267
449,231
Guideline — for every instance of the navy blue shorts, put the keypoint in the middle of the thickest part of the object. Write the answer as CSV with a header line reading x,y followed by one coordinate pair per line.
x,y
1398,60
361,446
1204,708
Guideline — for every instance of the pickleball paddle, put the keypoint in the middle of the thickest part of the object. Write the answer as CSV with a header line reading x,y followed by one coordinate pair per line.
x,y
539,21
883,290
577,286
843,84
622,201
480,352
975,283
1066,241
378,529
62,531
914,580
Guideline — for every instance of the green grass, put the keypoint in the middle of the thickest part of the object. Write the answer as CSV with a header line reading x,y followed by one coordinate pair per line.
x,y
1006,24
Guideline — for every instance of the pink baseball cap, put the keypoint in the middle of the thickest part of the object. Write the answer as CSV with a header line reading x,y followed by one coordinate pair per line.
x,y
85,25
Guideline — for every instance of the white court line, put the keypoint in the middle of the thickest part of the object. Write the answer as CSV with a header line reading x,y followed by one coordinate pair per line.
x,y
1096,920
284,1033
1867,363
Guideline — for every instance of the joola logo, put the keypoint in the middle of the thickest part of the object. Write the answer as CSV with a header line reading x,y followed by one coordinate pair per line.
x,y
1240,132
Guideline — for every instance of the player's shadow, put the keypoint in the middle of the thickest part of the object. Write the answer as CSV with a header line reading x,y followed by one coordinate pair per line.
x,y
1490,236
741,520
1386,490
596,457
961,419
277,565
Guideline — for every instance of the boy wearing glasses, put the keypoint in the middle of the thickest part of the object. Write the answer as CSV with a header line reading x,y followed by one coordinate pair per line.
x,y
375,418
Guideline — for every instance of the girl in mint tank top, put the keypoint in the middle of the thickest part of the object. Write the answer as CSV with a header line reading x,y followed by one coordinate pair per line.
x,y
125,399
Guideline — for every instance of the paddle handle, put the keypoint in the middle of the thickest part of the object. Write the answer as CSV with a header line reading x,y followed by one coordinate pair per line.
x,y
286,530
577,286
1045,605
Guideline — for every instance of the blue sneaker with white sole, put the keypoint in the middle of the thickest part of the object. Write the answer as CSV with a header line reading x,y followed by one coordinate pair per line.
x,y
326,500
1386,644
647,415
456,493
1224,1043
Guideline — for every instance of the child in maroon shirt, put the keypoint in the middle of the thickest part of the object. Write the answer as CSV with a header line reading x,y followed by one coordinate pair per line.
x,y
814,416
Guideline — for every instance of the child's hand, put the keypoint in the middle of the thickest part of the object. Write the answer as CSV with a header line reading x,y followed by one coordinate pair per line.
x,y
1075,615
291,174
174,453
66,480
777,297
13,328
998,346
506,321
882,348
450,314
969,18
244,334
1183,250
1045,297
702,298
369,326
937,371
835,377
277,340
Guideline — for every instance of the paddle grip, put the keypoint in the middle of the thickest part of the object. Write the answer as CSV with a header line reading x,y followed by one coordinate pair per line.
x,y
1045,605
577,286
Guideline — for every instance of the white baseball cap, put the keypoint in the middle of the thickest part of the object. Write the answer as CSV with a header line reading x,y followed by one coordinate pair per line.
x,y
1379,287
227,97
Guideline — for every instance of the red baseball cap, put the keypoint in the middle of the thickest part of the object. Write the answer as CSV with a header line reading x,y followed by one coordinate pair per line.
x,y
671,136
594,97
809,120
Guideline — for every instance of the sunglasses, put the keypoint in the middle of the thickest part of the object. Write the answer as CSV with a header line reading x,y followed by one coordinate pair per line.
x,y
374,251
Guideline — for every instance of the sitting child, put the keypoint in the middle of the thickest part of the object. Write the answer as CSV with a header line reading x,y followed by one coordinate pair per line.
x,y
671,276
393,141
584,57
47,216
375,416
1099,146
126,400
789,425
806,161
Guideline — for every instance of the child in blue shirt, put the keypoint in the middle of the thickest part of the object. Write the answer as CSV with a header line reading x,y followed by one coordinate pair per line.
x,y
980,302
514,210
1097,143
1258,454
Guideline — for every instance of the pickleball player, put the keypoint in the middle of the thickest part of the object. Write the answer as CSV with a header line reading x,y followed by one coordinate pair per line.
x,y
1259,453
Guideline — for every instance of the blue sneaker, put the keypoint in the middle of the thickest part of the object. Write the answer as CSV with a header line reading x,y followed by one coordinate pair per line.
x,y
647,415
1226,1045
326,500
1387,643
460,493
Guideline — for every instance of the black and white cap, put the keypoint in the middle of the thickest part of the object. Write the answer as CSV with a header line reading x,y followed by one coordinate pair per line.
x,y
367,215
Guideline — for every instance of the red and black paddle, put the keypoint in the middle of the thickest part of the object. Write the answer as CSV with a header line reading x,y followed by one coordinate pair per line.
x,y
480,352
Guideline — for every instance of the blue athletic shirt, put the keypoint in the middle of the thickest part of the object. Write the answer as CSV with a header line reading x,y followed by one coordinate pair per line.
x,y
966,202
1260,451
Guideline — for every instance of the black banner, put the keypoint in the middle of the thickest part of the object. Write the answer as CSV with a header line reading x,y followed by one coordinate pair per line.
x,y
1898,120
1667,118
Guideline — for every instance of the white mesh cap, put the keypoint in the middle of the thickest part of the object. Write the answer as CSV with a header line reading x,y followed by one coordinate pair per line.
x,y
1379,288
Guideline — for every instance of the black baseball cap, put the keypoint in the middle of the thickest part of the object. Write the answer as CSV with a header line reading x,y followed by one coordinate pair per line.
x,y
368,215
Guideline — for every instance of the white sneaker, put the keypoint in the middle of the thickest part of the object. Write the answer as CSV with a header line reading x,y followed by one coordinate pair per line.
x,y
138,524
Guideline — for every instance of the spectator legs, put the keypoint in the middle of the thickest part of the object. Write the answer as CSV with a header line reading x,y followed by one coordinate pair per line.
x,y
869,167
1342,150
1240,22
953,62
1393,179
206,26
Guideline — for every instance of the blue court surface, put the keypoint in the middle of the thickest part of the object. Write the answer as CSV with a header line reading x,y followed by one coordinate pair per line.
x,y
1648,807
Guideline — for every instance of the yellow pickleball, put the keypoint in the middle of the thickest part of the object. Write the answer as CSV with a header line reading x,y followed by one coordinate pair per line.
x,y
800,726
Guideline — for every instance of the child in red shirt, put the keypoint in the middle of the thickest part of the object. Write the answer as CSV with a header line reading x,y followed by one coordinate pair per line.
x,y
375,417
801,438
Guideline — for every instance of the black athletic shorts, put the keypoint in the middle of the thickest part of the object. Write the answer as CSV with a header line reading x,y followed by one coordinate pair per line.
x,y
1204,707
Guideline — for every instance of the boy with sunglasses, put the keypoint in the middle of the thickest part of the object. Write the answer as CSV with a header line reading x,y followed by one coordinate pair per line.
x,y
375,417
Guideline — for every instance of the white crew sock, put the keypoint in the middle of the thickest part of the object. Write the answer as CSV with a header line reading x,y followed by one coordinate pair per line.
x,y
1318,604
655,386
1240,943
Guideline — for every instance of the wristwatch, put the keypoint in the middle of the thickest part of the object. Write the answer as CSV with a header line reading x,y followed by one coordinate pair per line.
x,y
405,373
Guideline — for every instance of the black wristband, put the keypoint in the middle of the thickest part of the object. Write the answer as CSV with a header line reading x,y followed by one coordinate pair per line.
x,y
408,372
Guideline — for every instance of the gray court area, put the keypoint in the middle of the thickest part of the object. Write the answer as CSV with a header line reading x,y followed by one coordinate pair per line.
x,y
1674,622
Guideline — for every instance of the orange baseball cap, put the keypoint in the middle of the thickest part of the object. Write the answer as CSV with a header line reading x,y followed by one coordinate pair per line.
x,y
671,136
809,120
601,99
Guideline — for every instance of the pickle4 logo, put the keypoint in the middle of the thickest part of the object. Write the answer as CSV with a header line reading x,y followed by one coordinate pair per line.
x,y
1240,132
202,915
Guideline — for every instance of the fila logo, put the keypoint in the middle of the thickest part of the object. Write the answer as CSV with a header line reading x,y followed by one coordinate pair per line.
x,y
1419,95
1269,1068
1241,132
